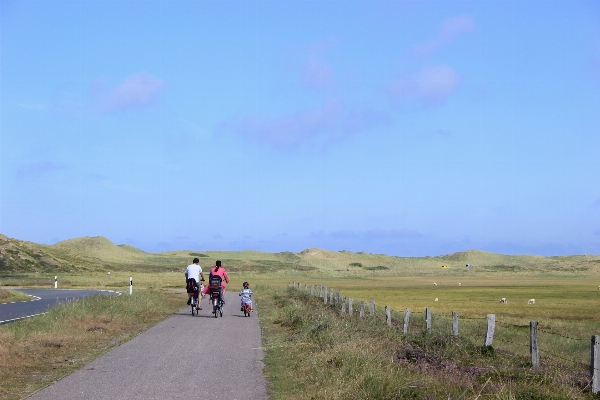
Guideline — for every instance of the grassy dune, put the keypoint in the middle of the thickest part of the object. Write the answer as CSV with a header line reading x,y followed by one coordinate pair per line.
x,y
100,255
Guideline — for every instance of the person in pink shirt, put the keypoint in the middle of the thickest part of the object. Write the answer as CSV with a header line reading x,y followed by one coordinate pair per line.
x,y
218,270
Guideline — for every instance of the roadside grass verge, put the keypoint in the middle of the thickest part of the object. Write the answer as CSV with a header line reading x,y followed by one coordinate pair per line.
x,y
313,352
7,296
117,280
38,351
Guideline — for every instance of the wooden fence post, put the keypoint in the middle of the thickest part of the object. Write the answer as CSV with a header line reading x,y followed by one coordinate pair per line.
x,y
312,290
372,307
406,320
331,297
325,295
595,364
350,306
388,315
533,344
362,309
298,286
454,323
343,304
337,298
428,318
489,336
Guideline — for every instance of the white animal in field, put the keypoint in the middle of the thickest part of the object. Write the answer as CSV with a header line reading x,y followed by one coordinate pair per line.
x,y
436,299
531,301
434,284
459,283
503,300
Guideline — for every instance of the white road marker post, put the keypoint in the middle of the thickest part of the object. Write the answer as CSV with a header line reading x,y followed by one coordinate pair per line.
x,y
55,282
130,285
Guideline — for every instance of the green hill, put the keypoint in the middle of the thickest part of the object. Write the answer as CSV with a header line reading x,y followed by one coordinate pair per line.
x,y
99,253
101,248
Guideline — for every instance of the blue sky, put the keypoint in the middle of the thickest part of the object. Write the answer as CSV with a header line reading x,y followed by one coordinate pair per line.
x,y
408,128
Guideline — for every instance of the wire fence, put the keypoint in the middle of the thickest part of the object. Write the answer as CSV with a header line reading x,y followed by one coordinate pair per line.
x,y
569,349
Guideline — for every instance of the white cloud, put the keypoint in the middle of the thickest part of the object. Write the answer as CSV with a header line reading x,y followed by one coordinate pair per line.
x,y
322,126
392,233
311,62
429,85
34,106
449,30
317,73
39,168
370,235
595,69
137,90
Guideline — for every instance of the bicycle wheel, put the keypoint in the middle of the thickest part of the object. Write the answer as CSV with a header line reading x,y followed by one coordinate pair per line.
x,y
194,312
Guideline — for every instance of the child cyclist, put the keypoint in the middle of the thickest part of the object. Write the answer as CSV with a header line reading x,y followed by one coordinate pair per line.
x,y
246,294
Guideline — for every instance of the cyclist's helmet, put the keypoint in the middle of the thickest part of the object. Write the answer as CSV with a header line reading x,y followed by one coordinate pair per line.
x,y
246,285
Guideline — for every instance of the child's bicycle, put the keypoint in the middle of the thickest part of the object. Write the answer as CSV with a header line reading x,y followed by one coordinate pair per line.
x,y
246,309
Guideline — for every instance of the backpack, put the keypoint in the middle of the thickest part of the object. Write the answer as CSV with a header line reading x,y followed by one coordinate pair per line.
x,y
192,285
215,281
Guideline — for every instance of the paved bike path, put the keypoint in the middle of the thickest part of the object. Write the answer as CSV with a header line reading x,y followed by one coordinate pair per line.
x,y
182,357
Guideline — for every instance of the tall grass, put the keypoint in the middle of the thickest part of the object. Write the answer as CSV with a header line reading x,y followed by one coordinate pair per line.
x,y
314,352
38,351
7,296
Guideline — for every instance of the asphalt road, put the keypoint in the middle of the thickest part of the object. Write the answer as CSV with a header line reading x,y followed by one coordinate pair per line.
x,y
42,299
182,357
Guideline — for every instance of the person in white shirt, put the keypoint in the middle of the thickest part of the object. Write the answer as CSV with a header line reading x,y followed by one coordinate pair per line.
x,y
193,277
246,294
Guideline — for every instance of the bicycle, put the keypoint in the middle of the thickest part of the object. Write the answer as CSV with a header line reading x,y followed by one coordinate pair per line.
x,y
216,291
194,290
246,309
194,304
216,303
